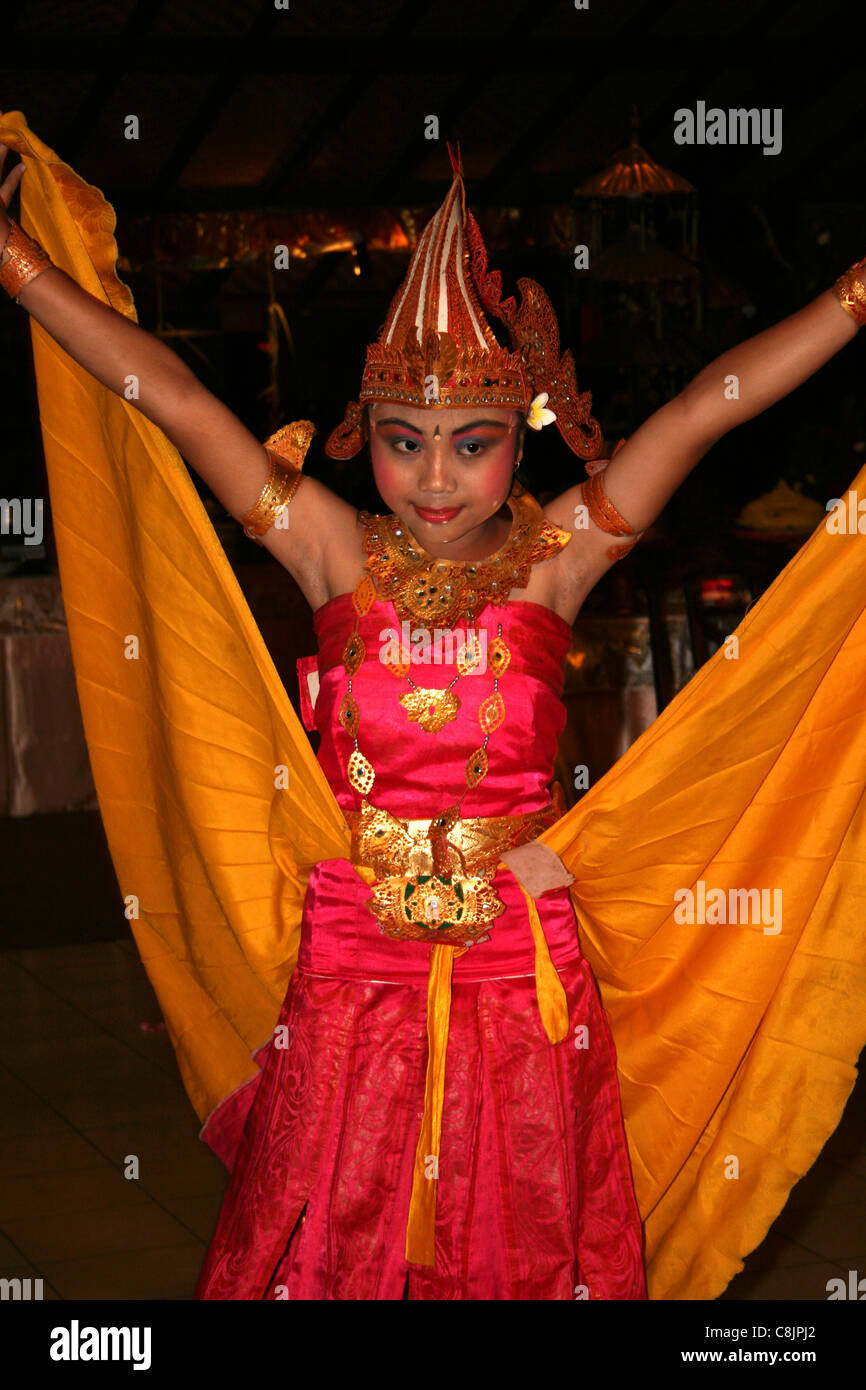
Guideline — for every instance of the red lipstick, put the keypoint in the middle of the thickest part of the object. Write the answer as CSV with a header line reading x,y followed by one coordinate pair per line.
x,y
437,514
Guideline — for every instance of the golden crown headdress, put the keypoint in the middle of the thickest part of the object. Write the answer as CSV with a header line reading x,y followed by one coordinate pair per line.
x,y
437,349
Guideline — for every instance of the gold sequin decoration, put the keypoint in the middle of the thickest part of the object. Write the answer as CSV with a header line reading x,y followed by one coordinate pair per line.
x,y
432,709
354,653
423,598
362,775
400,669
492,712
498,656
364,595
469,656
476,767
350,715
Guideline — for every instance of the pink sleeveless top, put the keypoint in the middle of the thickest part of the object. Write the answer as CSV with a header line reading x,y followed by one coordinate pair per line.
x,y
420,773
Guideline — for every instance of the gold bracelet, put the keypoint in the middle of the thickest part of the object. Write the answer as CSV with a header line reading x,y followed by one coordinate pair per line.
x,y
287,450
601,509
26,260
851,292
292,441
605,515
282,484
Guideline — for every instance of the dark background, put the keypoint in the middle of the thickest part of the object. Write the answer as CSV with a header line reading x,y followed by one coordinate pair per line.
x,y
322,106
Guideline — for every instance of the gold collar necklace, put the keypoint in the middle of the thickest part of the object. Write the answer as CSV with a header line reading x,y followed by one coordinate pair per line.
x,y
424,587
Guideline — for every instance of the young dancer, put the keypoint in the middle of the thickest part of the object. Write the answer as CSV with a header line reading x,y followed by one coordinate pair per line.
x,y
436,1113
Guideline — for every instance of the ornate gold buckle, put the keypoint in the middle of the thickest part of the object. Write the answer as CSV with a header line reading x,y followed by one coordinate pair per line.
x,y
435,907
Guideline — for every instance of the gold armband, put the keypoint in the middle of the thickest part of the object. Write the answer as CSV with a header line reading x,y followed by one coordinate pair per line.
x,y
26,260
605,515
851,292
286,450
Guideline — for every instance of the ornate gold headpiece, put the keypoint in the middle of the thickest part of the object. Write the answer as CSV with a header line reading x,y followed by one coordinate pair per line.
x,y
438,350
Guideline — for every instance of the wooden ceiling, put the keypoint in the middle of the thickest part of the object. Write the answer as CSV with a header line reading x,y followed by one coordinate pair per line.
x,y
323,104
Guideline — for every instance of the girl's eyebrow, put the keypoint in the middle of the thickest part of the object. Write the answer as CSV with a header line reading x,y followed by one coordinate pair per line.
x,y
464,429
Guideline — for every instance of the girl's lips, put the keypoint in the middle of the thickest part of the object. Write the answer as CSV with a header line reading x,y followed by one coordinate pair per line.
x,y
435,514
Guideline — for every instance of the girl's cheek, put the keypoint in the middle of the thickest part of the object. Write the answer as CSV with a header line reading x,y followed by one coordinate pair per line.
x,y
387,474
498,474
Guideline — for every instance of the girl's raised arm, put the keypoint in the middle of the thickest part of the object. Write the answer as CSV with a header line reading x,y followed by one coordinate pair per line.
x,y
320,541
735,387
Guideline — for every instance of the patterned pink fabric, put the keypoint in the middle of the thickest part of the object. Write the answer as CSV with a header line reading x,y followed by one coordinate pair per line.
x,y
535,1197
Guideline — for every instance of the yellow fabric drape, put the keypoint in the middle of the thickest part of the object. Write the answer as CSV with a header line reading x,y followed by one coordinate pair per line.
x,y
736,1043
736,1046
186,738
421,1228
549,991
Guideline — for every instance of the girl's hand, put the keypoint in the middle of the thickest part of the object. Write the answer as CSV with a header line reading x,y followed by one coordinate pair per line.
x,y
7,192
537,868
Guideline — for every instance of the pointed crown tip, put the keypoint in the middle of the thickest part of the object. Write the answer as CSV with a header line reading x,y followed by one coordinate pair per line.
x,y
454,156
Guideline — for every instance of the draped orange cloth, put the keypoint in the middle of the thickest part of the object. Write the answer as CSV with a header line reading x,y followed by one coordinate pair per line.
x,y
736,1043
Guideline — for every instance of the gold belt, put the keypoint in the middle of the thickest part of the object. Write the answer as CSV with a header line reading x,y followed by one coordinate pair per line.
x,y
432,877
430,880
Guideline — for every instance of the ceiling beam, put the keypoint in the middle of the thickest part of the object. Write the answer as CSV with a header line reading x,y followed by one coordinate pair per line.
x,y
227,80
73,52
78,130
287,170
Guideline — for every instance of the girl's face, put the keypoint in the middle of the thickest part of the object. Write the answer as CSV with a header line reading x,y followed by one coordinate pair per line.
x,y
445,473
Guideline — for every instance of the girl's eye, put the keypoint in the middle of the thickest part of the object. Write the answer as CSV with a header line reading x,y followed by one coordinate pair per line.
x,y
477,446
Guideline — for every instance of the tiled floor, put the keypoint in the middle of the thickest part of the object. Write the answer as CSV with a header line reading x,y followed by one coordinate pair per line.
x,y
83,1088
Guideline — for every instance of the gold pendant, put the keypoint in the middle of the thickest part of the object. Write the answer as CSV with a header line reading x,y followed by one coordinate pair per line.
x,y
492,712
476,768
432,709
362,774
498,656
363,595
350,715
354,653
469,657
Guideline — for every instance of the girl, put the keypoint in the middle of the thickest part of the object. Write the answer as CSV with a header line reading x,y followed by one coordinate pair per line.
x,y
436,1113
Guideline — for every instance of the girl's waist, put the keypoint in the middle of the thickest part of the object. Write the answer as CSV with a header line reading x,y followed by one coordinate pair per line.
x,y
341,937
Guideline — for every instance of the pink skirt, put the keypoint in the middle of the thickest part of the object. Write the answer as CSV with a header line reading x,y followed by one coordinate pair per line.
x,y
535,1195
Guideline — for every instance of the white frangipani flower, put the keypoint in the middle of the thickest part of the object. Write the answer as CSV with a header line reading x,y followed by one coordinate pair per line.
x,y
537,416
